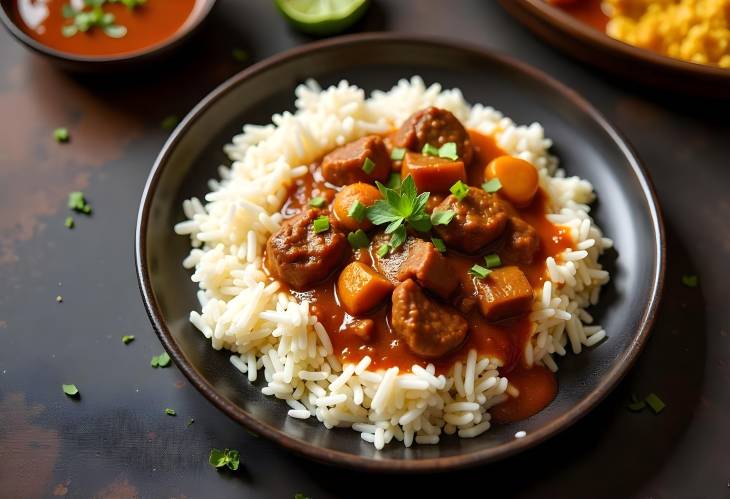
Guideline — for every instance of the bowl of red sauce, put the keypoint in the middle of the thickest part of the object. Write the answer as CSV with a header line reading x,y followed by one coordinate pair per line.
x,y
96,34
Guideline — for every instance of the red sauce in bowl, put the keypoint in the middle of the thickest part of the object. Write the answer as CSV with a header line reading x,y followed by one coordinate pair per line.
x,y
147,25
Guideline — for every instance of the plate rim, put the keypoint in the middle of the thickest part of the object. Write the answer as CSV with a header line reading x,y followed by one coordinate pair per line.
x,y
617,371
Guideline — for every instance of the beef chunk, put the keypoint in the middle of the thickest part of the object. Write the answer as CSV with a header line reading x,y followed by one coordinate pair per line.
x,y
504,293
429,328
521,242
436,127
389,265
479,219
429,268
344,165
299,256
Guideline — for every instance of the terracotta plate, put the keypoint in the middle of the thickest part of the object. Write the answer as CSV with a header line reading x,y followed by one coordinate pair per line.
x,y
586,143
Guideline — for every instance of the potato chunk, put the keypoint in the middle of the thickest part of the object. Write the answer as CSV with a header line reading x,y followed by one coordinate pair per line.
x,y
360,288
504,293
432,174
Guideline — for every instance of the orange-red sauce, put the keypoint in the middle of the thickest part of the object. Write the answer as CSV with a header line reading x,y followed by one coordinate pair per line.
x,y
504,340
147,25
587,11
537,387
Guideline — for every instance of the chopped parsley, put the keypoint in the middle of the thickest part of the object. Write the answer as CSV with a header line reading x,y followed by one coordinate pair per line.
x,y
368,166
358,239
78,203
321,224
393,181
397,154
69,223
357,210
93,15
61,135
492,260
480,271
400,208
127,339
429,150
383,250
442,217
448,151
162,360
690,281
492,186
317,202
71,390
228,457
438,244
655,403
170,412
239,55
169,122
459,190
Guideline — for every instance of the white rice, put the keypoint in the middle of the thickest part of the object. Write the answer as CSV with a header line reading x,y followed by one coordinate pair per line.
x,y
242,311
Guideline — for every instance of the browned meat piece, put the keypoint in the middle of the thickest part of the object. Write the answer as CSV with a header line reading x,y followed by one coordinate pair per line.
x,y
429,328
299,256
479,219
362,328
430,268
521,242
436,127
389,265
344,165
504,293
433,201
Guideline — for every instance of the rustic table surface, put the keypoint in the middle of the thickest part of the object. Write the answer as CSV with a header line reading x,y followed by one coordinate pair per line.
x,y
116,441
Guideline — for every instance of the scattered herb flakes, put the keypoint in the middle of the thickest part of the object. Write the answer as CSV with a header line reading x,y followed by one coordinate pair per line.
x,y
228,457
442,217
357,211
190,421
162,360
61,135
398,208
448,151
317,202
480,271
358,239
383,250
492,186
492,261
91,15
394,181
459,190
69,222
429,150
127,339
438,244
321,224
77,202
690,280
239,55
71,390
170,412
170,122
368,166
397,154
655,403
59,298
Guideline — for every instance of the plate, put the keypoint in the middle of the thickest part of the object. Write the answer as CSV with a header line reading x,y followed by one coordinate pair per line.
x,y
630,63
587,145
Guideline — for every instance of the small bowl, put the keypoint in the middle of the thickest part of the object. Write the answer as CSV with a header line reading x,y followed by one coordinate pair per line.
x,y
99,63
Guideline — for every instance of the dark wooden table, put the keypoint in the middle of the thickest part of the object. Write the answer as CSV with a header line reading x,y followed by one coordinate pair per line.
x,y
116,441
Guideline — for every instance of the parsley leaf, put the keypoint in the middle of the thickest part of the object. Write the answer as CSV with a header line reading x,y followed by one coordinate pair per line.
x,y
127,339
358,239
438,244
71,390
78,203
227,457
162,360
383,250
69,223
442,217
399,208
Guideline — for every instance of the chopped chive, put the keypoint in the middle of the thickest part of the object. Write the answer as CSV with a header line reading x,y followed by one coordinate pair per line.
x,y
170,122
69,223
357,211
397,154
317,201
368,166
170,412
448,151
383,250
442,217
321,224
61,135
358,239
655,403
492,261
127,339
239,55
492,186
480,271
190,421
690,281
438,244
459,190
77,202
394,181
429,150
71,390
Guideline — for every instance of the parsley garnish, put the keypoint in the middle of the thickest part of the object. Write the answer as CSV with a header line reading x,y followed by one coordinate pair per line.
x,y
400,208
480,271
383,250
690,280
321,224
429,150
358,239
229,458
438,244
77,202
442,217
357,211
170,412
61,135
393,181
127,339
397,154
162,360
492,186
317,202
492,260
70,390
169,122
459,190
93,15
368,166
69,223
448,151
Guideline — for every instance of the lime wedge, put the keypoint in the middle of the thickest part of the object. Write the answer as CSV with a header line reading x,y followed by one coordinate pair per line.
x,y
322,17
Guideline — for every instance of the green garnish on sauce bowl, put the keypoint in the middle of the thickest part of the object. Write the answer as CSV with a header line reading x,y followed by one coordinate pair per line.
x,y
400,208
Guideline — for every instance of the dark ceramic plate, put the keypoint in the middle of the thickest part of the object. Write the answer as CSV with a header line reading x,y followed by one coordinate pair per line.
x,y
631,63
586,143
